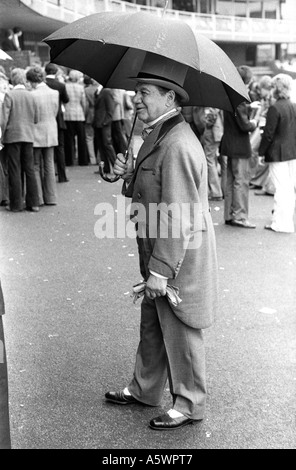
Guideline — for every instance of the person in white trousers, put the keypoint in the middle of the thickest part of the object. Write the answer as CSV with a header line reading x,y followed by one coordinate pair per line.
x,y
278,146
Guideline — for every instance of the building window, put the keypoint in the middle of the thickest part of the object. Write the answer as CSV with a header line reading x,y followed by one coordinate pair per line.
x,y
255,9
240,8
184,5
204,6
226,7
270,9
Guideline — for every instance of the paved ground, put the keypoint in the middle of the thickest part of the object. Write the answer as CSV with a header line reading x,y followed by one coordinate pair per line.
x,y
72,330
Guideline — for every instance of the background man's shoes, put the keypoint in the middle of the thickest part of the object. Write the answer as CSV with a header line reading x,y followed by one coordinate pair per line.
x,y
120,398
261,192
244,223
32,209
8,208
268,227
166,423
215,198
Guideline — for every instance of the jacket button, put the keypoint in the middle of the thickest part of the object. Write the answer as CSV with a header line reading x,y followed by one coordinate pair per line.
x,y
139,195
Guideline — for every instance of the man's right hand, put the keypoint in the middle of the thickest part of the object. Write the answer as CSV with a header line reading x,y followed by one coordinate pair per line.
x,y
122,168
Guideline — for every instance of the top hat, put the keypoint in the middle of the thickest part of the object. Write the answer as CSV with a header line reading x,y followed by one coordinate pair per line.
x,y
167,73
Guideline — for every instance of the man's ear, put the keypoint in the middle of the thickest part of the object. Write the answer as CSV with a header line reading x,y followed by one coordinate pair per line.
x,y
171,96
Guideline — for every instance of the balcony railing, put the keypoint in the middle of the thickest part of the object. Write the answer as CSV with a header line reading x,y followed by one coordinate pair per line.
x,y
216,27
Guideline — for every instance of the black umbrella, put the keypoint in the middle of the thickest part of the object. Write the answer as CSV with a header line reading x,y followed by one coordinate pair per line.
x,y
111,48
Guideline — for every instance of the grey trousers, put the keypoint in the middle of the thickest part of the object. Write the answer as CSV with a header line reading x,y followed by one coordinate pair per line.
x,y
169,350
236,197
45,175
210,149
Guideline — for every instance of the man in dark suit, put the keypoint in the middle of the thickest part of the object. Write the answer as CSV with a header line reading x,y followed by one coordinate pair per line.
x,y
4,409
55,84
104,144
236,147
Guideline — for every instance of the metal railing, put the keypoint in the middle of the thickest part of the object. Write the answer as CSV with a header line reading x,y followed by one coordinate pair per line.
x,y
216,27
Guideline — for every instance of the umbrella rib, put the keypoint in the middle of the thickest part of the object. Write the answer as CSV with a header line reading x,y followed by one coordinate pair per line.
x,y
122,56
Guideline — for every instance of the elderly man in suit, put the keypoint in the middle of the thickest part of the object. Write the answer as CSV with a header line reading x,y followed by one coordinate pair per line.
x,y
170,176
45,135
4,407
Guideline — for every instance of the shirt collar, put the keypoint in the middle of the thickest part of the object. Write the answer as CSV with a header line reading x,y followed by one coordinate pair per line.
x,y
153,124
155,121
19,86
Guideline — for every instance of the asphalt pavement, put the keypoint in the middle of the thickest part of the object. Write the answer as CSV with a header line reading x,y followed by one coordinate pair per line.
x,y
72,329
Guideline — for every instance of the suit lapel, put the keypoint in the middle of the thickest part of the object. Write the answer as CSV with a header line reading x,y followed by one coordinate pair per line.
x,y
150,145
154,139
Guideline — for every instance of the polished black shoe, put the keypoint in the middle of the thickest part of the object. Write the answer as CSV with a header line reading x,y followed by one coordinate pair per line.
x,y
166,423
261,192
120,398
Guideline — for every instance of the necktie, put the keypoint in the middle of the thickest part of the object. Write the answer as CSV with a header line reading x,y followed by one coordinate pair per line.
x,y
146,132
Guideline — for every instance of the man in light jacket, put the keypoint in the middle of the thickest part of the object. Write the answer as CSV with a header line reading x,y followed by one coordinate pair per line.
x,y
45,135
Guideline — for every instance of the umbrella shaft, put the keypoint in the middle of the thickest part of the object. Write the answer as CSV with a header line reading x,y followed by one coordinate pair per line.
x,y
130,139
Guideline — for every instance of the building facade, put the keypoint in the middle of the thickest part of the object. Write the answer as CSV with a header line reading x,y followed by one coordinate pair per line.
x,y
249,31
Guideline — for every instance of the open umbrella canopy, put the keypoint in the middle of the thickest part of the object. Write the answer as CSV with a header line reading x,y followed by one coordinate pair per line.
x,y
111,47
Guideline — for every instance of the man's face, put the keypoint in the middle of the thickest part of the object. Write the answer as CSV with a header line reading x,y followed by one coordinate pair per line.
x,y
150,103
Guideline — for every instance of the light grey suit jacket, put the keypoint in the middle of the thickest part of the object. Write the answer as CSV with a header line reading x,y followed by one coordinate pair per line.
x,y
19,116
171,169
46,129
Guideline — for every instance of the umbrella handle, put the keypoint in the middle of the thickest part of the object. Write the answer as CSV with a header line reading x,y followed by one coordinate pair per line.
x,y
105,176
101,164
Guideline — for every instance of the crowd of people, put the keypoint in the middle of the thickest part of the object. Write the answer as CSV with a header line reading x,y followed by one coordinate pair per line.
x,y
253,148
51,119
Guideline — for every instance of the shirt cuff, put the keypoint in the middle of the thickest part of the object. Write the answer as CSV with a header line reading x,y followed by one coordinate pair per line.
x,y
158,275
